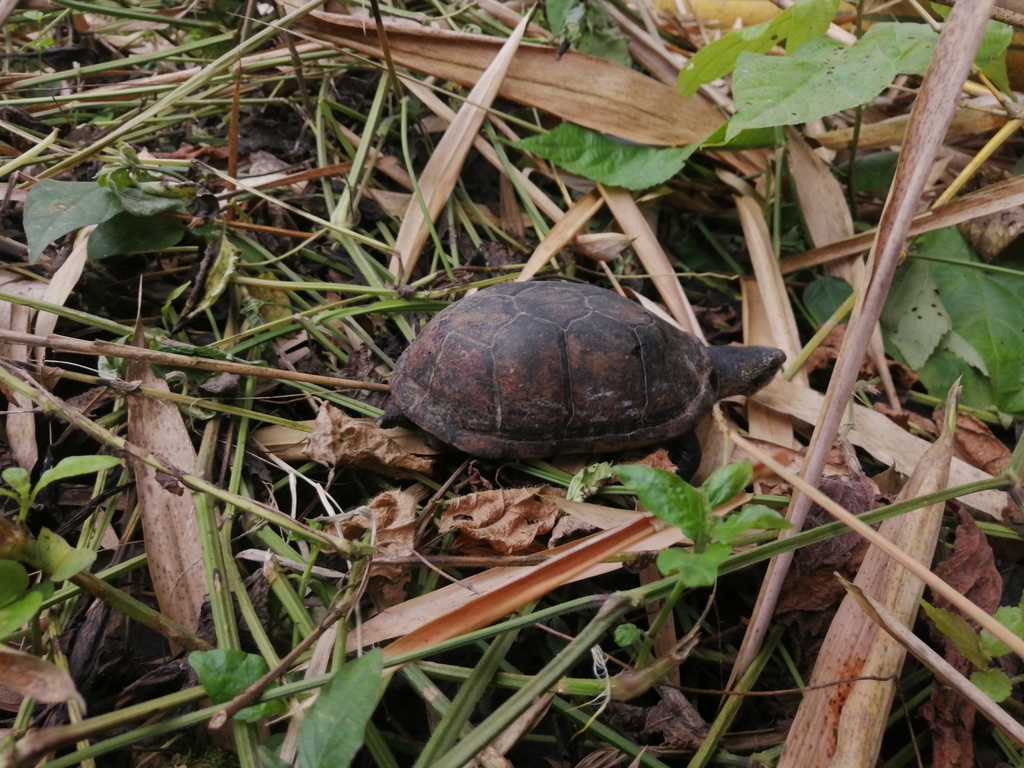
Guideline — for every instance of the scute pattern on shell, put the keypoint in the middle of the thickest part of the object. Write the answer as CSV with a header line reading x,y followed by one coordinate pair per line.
x,y
526,370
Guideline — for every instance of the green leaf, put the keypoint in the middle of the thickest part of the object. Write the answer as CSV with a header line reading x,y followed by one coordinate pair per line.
x,y
586,482
996,333
73,466
726,481
694,569
1010,617
994,683
13,582
914,317
17,614
128,233
152,198
333,729
219,277
719,58
810,19
54,208
225,673
59,560
874,172
19,481
824,295
750,517
591,154
668,497
627,634
269,759
959,631
824,77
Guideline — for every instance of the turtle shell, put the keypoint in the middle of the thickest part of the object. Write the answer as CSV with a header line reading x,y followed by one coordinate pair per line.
x,y
525,370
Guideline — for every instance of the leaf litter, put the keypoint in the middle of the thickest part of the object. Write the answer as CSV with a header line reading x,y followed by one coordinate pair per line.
x,y
343,224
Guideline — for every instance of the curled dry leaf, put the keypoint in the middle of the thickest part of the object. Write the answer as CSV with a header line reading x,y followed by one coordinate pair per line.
x,y
340,439
677,720
394,524
991,234
976,444
30,676
509,520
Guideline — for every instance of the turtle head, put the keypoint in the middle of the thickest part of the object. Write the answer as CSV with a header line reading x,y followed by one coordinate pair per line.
x,y
744,370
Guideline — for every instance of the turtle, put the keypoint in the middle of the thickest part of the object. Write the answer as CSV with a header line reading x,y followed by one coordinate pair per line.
x,y
536,369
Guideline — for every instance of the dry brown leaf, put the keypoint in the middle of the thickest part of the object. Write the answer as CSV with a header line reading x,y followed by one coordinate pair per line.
x,y
20,422
991,234
443,111
847,723
633,106
394,530
976,444
33,677
168,516
988,200
678,722
561,234
337,438
884,134
445,164
882,439
778,310
485,597
633,223
764,423
509,520
972,571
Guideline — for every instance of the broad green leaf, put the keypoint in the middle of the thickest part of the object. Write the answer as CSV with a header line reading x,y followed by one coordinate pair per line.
x,y
19,481
797,24
810,19
963,349
152,198
874,171
128,233
914,317
943,368
13,582
17,614
588,26
750,517
824,77
627,634
719,58
726,481
591,154
59,560
695,569
960,632
984,309
824,295
586,482
1010,617
54,208
333,729
668,497
73,466
225,673
994,683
